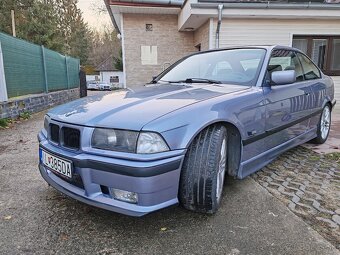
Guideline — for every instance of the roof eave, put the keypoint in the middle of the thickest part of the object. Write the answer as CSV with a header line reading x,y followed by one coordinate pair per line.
x,y
267,5
111,16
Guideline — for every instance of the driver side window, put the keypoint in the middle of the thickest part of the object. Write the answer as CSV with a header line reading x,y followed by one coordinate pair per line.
x,y
282,60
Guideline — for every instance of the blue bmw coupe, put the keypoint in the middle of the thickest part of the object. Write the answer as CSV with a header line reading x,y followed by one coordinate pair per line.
x,y
211,114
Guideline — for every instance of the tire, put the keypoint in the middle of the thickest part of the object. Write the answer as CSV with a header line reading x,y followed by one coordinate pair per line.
x,y
324,126
200,190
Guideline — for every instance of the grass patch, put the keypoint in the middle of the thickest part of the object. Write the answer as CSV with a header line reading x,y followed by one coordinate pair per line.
x,y
25,115
335,156
314,158
4,123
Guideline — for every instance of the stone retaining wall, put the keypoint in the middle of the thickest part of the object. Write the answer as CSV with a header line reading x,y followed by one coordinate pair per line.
x,y
36,103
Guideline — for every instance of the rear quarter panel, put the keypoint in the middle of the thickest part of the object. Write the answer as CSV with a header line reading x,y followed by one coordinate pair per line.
x,y
322,93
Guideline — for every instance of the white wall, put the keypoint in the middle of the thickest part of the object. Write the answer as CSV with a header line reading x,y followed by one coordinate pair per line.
x,y
92,77
272,31
275,31
336,80
105,77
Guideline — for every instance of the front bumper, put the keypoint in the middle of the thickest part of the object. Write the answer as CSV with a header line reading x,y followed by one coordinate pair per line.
x,y
156,182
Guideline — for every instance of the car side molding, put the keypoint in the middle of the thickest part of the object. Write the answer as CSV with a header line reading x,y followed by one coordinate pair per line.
x,y
278,129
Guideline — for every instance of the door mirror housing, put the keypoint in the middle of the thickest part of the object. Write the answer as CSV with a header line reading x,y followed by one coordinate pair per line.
x,y
283,77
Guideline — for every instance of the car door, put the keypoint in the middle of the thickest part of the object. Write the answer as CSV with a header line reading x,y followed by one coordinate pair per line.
x,y
312,77
288,105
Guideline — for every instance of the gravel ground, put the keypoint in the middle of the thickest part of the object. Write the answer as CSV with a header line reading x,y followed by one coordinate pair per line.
x,y
309,184
36,219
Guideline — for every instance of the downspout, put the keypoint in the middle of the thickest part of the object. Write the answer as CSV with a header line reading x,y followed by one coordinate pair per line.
x,y
220,10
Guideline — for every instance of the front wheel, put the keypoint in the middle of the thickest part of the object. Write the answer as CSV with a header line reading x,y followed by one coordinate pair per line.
x,y
324,126
203,171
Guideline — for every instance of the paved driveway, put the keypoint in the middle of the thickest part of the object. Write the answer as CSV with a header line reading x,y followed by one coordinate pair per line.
x,y
36,219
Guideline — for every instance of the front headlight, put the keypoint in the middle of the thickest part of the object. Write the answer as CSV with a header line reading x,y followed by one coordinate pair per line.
x,y
114,140
128,141
151,143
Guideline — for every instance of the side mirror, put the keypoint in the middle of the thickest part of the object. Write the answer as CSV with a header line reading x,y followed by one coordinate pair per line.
x,y
283,77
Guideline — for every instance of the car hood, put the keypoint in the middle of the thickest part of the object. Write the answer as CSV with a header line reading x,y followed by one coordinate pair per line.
x,y
135,108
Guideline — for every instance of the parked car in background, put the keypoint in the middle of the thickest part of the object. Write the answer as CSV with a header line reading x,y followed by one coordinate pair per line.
x,y
211,114
104,86
93,85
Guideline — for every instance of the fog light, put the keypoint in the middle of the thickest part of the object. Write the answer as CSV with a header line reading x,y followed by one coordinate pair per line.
x,y
126,196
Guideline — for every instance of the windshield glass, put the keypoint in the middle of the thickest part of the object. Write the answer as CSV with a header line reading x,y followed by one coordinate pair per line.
x,y
234,66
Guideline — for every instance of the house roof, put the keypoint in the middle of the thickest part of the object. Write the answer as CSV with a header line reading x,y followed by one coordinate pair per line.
x,y
116,7
191,14
106,65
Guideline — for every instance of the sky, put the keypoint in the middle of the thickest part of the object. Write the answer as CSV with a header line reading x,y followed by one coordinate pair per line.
x,y
92,16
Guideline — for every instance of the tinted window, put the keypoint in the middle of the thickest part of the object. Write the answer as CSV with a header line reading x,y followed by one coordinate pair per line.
x,y
310,71
234,66
282,60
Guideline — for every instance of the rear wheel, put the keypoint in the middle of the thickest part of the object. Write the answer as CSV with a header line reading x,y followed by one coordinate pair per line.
x,y
324,126
203,171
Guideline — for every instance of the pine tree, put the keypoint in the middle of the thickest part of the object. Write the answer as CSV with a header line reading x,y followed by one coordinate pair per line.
x,y
56,24
42,26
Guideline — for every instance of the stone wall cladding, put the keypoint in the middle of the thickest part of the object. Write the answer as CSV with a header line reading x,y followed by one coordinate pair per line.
x,y
172,45
36,103
201,36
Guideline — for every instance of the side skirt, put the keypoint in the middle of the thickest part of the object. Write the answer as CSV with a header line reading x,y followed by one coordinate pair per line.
x,y
256,163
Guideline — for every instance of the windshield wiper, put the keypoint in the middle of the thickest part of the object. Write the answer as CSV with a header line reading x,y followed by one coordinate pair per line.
x,y
195,80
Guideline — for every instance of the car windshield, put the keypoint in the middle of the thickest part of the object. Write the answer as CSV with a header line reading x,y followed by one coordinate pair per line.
x,y
234,66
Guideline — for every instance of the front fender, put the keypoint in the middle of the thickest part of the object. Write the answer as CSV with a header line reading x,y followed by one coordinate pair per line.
x,y
179,128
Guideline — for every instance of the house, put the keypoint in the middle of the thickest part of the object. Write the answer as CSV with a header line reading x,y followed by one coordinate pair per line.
x,y
109,74
156,33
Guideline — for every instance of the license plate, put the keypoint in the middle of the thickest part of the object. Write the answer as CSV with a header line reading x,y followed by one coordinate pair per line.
x,y
59,165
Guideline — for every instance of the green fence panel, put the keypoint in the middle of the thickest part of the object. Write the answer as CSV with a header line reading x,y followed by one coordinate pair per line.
x,y
73,71
25,69
56,70
23,66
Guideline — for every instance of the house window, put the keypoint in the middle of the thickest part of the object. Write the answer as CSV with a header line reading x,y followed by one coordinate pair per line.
x,y
149,55
114,79
198,47
323,50
148,27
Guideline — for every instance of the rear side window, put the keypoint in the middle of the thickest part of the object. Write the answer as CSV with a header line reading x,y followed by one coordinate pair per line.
x,y
282,60
310,71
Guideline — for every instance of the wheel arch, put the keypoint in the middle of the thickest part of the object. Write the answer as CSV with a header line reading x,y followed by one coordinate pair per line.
x,y
328,101
234,146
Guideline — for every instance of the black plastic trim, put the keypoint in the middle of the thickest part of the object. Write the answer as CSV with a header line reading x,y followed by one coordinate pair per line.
x,y
333,103
122,169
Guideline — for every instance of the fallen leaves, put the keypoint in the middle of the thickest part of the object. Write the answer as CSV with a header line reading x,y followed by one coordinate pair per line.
x,y
63,237
8,217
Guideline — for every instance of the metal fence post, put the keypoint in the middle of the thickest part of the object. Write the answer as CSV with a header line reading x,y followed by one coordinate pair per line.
x,y
78,72
68,82
3,87
44,67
